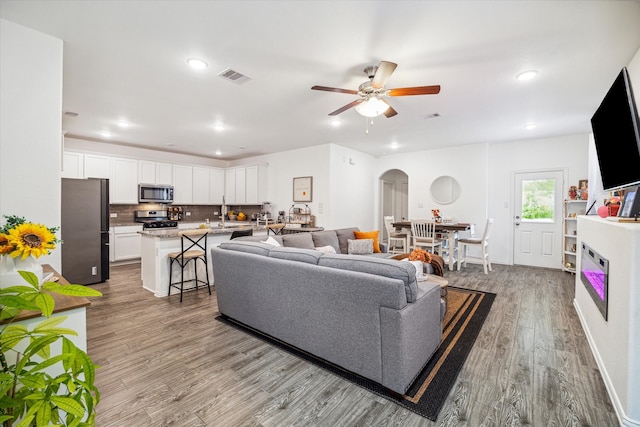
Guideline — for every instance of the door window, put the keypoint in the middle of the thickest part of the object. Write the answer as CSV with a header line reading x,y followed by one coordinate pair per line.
x,y
538,200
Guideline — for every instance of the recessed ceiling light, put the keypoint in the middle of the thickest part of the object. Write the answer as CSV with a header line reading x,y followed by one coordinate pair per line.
x,y
171,145
106,134
218,126
527,75
242,147
70,114
218,153
197,63
123,123
530,126
394,145
335,122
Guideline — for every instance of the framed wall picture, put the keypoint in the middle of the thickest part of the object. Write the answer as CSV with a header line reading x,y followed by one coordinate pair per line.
x,y
302,189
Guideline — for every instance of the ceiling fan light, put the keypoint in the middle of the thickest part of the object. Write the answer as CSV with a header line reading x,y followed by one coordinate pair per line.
x,y
372,107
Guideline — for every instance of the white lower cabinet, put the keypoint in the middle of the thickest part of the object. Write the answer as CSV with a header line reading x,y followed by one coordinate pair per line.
x,y
126,242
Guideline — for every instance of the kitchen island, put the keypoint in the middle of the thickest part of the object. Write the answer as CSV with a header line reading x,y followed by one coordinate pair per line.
x,y
157,244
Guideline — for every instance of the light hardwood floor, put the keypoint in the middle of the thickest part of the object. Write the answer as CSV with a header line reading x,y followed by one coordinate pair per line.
x,y
171,364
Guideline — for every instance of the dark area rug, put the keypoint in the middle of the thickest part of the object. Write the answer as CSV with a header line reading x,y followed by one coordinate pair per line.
x,y
466,312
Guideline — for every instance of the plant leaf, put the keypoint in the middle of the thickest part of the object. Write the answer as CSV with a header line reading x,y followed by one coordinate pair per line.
x,y
53,321
43,416
33,381
18,302
50,361
72,290
31,278
69,405
45,303
16,289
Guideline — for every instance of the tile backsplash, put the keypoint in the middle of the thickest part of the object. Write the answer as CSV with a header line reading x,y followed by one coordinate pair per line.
x,y
199,213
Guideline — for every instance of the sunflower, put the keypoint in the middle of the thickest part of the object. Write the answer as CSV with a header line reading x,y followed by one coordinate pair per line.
x,y
31,239
5,247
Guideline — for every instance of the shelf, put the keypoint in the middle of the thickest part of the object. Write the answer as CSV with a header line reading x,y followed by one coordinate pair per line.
x,y
570,236
570,253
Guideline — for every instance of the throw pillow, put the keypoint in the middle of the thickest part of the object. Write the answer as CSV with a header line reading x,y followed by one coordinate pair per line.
x,y
326,249
360,246
271,241
369,235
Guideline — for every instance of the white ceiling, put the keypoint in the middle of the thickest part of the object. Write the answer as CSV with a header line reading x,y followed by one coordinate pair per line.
x,y
127,60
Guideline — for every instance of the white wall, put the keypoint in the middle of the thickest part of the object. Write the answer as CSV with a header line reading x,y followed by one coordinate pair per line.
x,y
30,127
566,153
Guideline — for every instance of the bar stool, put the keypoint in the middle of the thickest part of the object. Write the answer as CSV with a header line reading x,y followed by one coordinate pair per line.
x,y
193,247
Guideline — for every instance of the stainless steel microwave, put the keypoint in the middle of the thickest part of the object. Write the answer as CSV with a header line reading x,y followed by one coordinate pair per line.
x,y
150,193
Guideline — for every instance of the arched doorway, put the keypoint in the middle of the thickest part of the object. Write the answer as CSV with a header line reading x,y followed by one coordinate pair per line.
x,y
394,199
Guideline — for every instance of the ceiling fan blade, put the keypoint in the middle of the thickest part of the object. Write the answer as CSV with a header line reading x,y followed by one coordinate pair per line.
x,y
346,107
418,90
335,89
385,69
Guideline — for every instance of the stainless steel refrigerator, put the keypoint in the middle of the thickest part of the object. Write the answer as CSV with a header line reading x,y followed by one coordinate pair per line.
x,y
84,230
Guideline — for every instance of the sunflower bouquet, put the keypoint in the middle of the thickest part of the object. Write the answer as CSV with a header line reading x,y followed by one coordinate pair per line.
x,y
19,238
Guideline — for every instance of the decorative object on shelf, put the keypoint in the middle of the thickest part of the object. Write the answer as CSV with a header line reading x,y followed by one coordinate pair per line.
x,y
23,242
573,192
571,210
30,390
583,189
303,189
436,215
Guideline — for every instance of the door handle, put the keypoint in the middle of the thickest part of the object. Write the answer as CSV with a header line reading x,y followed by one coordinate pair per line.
x,y
517,220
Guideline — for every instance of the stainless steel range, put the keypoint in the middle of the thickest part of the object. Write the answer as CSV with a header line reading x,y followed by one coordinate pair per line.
x,y
154,219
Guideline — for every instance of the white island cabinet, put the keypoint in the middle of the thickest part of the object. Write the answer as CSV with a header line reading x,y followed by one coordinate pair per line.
x,y
156,245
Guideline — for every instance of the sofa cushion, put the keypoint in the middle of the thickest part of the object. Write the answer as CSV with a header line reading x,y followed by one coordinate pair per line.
x,y
380,267
298,240
258,238
296,254
326,249
360,246
257,248
374,235
326,238
344,234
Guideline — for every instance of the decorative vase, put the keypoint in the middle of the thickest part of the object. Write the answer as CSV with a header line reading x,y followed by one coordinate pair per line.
x,y
29,264
9,268
9,275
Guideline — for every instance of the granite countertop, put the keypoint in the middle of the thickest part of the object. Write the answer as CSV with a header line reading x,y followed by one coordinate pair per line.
x,y
174,232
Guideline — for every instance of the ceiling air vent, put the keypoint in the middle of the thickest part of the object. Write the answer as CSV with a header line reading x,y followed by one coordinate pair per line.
x,y
234,76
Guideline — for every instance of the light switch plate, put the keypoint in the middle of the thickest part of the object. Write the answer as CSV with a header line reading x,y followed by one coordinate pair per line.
x,y
113,215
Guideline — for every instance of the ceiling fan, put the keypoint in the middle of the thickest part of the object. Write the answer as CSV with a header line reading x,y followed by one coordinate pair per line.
x,y
370,103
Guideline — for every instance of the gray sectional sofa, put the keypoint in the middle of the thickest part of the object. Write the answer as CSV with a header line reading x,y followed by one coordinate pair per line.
x,y
366,314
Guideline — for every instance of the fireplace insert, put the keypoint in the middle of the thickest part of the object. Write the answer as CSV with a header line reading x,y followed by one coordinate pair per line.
x,y
594,273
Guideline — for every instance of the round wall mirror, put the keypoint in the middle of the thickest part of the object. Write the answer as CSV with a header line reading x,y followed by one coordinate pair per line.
x,y
445,189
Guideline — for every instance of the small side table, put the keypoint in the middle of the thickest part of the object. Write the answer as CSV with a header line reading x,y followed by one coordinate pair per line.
x,y
443,285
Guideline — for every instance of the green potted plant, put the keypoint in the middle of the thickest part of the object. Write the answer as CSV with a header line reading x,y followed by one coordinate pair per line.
x,y
37,386
44,378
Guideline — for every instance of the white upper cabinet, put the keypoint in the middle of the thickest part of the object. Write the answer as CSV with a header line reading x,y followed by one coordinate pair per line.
x,y
182,184
201,183
124,181
72,165
230,186
164,174
97,166
146,172
245,186
216,186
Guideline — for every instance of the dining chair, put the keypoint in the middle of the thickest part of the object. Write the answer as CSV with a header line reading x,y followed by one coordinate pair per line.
x,y
394,238
483,242
424,235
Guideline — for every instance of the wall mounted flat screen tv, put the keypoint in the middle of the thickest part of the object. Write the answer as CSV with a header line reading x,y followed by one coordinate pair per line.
x,y
616,131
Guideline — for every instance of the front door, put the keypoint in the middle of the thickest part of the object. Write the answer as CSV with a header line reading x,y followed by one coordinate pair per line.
x,y
537,235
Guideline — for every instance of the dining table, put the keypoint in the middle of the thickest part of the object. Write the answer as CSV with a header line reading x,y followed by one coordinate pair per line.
x,y
450,229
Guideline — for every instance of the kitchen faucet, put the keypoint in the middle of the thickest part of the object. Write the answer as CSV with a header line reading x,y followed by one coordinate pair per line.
x,y
224,213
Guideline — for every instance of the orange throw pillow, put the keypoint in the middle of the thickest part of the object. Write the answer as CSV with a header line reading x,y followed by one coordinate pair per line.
x,y
370,235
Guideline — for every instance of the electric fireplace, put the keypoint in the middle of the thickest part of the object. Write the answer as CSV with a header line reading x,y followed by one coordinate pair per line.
x,y
594,273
